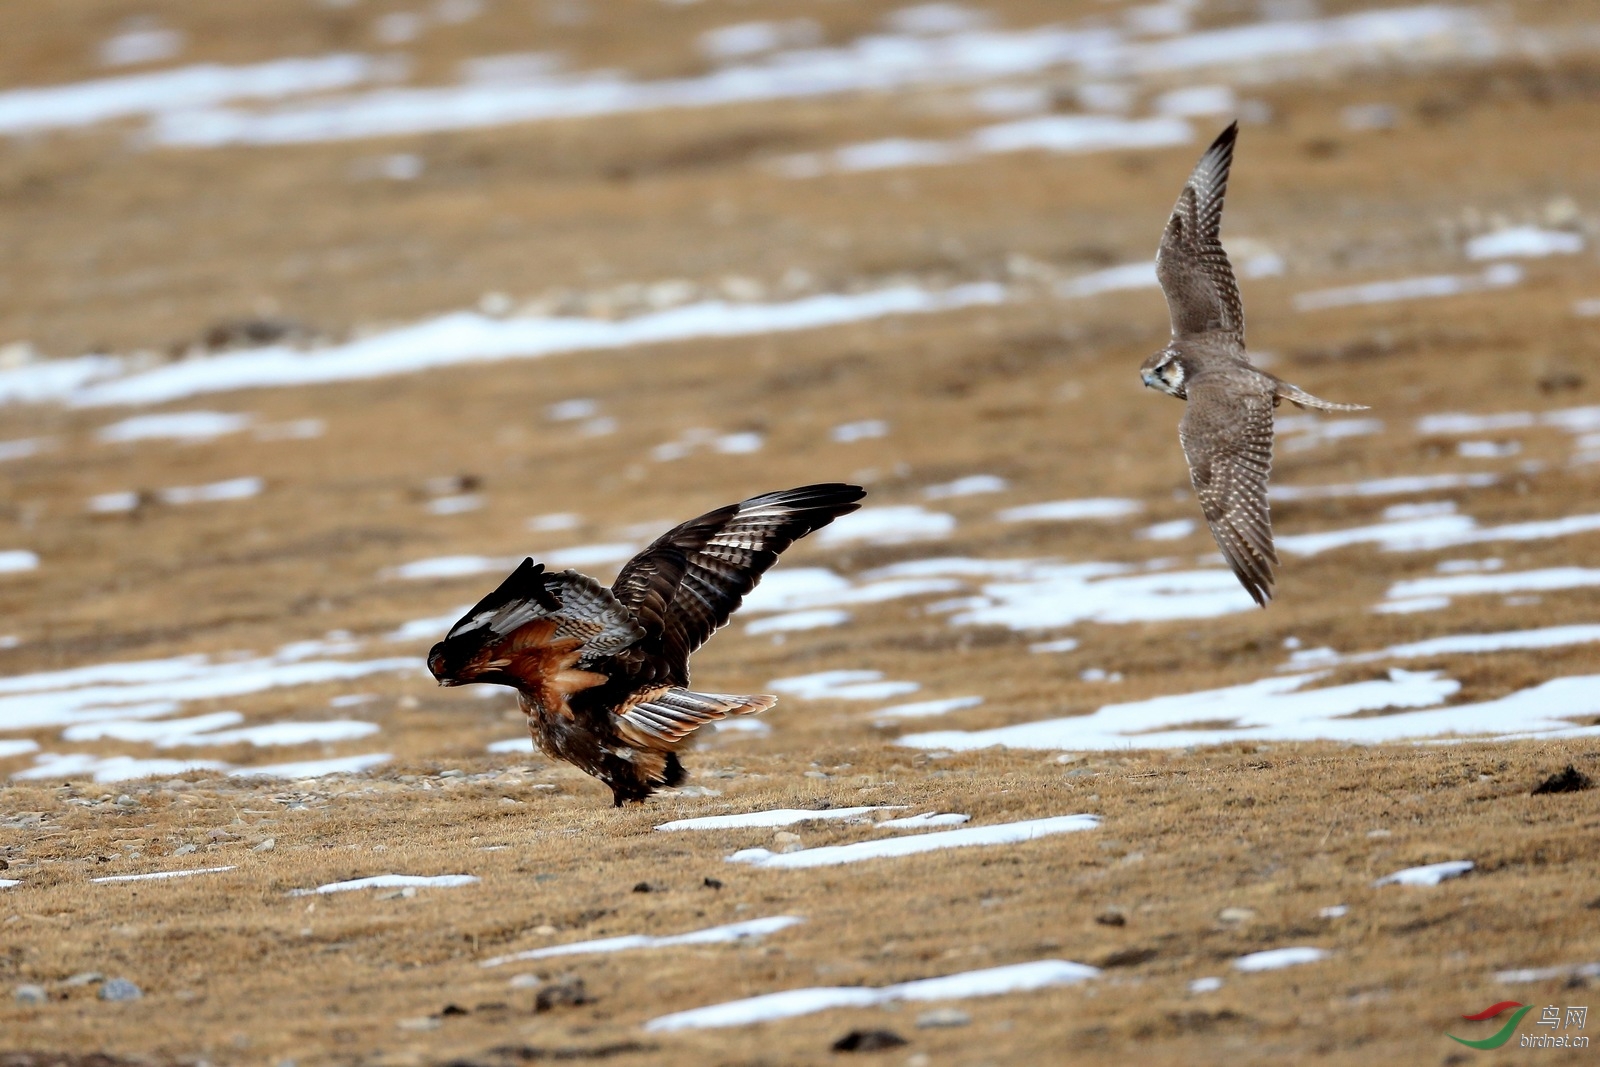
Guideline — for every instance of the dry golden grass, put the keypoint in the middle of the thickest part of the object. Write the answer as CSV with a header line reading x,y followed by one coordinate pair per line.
x,y
130,249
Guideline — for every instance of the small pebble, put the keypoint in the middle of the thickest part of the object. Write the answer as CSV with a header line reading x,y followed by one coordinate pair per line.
x,y
452,773
125,801
427,1022
219,834
525,981
120,989
85,978
266,846
568,993
868,1041
943,1017
1235,915
31,994
787,842
184,850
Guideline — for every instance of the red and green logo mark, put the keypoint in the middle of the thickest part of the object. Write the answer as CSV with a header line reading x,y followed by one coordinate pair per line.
x,y
1501,1036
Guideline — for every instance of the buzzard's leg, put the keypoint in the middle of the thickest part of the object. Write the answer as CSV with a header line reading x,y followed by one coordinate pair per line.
x,y
628,790
674,773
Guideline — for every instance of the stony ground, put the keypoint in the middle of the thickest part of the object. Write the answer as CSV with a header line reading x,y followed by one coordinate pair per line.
x,y
1204,854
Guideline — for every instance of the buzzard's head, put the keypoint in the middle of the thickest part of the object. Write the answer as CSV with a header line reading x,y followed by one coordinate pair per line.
x,y
1165,371
451,662
471,651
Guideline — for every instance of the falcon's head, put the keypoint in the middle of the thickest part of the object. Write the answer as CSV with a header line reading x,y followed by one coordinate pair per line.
x,y
473,649
1165,371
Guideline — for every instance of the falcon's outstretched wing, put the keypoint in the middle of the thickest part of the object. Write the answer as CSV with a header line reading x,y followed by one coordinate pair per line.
x,y
1202,293
686,584
1226,434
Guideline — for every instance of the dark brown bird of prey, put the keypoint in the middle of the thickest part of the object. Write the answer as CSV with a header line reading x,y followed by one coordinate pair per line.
x,y
1226,431
603,674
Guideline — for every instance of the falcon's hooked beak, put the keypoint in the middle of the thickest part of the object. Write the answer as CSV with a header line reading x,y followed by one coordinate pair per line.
x,y
1163,371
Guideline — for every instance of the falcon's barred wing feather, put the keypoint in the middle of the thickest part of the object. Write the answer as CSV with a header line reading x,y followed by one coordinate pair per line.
x,y
1202,293
686,584
1226,434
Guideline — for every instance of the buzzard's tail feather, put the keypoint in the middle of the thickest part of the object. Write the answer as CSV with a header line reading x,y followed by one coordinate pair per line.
x,y
665,721
706,707
1302,399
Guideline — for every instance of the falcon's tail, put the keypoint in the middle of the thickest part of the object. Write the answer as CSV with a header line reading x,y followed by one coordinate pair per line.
x,y
1302,399
668,717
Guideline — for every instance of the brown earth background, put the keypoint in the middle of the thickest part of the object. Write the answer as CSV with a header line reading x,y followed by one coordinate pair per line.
x,y
112,245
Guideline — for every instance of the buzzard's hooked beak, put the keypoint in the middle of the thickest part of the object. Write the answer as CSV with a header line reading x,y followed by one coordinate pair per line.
x,y
436,667
1149,377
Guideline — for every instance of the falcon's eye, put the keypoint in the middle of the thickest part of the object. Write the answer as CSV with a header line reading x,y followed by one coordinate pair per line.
x,y
1171,372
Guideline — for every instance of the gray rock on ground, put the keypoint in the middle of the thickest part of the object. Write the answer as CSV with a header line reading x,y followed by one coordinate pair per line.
x,y
120,989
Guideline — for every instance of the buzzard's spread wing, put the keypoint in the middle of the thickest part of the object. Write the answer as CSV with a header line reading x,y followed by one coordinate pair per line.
x,y
1226,434
568,612
686,584
581,607
1202,294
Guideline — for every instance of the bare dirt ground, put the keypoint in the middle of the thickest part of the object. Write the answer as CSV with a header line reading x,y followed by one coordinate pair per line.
x,y
1204,854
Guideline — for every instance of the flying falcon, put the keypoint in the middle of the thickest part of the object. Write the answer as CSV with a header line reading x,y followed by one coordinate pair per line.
x,y
603,674
1226,431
